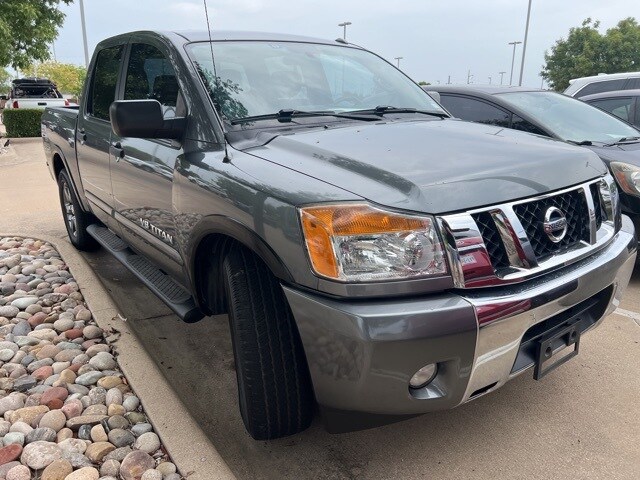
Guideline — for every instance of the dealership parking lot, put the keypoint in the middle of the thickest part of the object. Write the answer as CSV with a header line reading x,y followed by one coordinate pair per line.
x,y
582,421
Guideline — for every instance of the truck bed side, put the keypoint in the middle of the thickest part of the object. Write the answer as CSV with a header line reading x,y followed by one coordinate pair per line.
x,y
58,135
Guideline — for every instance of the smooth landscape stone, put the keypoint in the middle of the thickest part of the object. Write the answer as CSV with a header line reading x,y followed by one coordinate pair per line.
x,y
58,470
97,409
43,434
151,475
6,354
98,450
11,402
19,472
115,409
9,311
72,408
38,455
21,328
135,417
90,331
14,438
53,419
166,468
24,383
141,428
89,378
10,453
114,396
4,427
64,434
99,435
103,361
73,445
85,473
97,395
76,422
147,442
83,315
77,460
110,468
84,432
135,464
6,467
59,367
117,421
24,302
42,373
95,349
48,351
119,454
59,393
63,324
28,414
121,438
66,355
79,389
131,403
21,427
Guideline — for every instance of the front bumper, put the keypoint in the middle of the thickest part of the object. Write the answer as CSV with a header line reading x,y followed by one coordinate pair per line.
x,y
361,354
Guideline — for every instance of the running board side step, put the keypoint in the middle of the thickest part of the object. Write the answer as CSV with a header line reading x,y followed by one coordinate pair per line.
x,y
167,289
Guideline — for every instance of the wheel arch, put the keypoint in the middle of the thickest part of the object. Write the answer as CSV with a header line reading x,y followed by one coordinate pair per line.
x,y
211,240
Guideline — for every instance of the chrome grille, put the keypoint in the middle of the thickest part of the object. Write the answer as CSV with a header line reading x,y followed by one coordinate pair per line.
x,y
597,204
574,206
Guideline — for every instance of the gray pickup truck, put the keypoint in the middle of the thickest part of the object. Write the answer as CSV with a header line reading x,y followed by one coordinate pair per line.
x,y
376,258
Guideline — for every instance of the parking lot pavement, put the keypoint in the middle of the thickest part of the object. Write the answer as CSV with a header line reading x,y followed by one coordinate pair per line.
x,y
582,421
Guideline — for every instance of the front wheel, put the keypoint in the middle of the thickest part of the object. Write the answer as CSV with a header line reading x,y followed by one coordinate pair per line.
x,y
76,220
274,388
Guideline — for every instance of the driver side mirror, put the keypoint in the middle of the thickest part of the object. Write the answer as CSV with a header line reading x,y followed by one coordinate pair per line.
x,y
144,119
4,97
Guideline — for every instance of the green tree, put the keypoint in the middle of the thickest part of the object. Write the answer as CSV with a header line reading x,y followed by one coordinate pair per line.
x,y
27,28
5,81
586,51
68,77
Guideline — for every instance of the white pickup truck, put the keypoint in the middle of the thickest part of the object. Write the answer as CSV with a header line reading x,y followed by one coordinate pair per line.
x,y
36,93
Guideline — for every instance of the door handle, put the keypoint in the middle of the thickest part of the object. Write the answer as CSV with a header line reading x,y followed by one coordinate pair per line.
x,y
83,135
117,150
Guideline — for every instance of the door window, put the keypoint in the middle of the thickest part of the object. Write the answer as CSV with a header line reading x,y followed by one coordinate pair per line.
x,y
475,110
150,75
634,84
105,78
621,107
604,86
521,124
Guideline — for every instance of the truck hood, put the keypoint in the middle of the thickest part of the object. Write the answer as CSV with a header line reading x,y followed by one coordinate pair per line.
x,y
433,166
626,153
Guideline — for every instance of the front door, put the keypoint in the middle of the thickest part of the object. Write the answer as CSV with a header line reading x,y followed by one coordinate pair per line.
x,y
93,135
142,172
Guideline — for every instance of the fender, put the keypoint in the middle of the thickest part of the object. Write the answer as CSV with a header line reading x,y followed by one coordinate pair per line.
x,y
223,232
56,150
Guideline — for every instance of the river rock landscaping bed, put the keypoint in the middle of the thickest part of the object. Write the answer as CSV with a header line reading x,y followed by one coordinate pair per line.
x,y
67,412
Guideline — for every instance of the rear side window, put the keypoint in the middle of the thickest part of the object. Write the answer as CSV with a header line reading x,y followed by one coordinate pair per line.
x,y
604,86
105,78
150,75
474,110
621,107
634,83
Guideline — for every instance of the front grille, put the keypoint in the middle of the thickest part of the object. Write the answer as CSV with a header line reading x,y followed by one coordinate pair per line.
x,y
493,242
597,204
574,206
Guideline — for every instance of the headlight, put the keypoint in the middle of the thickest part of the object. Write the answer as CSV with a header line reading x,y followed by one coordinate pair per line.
x,y
628,177
359,243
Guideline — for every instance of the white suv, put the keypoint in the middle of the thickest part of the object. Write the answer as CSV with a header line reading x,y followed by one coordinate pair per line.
x,y
580,87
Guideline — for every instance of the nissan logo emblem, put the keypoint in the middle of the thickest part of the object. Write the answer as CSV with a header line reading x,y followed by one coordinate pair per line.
x,y
555,224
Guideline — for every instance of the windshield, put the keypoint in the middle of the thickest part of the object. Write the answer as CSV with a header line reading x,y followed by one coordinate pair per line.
x,y
570,119
261,78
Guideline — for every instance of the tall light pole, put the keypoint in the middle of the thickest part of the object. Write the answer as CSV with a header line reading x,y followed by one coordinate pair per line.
x,y
489,79
524,45
501,76
344,26
397,59
513,59
469,76
84,34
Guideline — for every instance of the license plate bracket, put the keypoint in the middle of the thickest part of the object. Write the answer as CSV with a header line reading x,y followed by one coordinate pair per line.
x,y
554,343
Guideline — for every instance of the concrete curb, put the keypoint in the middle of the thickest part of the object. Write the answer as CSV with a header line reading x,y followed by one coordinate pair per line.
x,y
190,449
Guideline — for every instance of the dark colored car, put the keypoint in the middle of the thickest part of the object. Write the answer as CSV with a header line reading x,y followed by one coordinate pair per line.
x,y
624,104
558,116
373,255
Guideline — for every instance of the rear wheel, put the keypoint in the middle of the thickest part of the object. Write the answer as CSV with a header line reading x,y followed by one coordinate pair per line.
x,y
76,220
274,388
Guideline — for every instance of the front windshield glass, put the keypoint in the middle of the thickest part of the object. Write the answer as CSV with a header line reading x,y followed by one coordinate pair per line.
x,y
262,78
570,119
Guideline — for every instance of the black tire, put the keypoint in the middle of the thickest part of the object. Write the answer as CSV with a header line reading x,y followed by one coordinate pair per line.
x,y
274,388
75,219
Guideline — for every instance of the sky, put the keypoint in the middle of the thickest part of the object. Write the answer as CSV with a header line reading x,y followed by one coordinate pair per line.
x,y
436,39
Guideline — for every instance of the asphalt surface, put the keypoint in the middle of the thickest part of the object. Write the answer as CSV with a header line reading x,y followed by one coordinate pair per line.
x,y
581,421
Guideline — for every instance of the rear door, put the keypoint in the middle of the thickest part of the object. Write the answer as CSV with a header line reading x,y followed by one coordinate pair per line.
x,y
143,169
93,134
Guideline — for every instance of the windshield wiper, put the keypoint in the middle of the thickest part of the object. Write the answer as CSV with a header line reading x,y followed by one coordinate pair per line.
x,y
582,142
381,110
285,115
623,140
